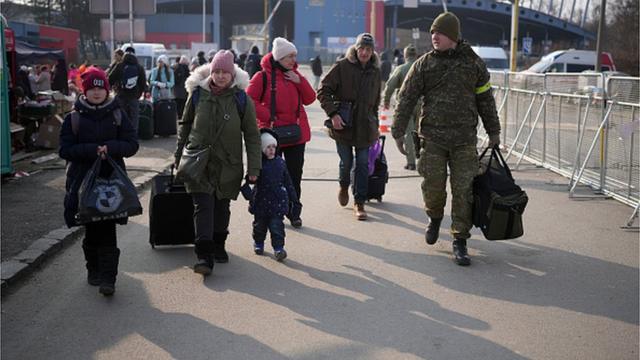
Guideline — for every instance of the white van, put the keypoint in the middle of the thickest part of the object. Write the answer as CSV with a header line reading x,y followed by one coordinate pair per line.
x,y
571,61
495,57
147,53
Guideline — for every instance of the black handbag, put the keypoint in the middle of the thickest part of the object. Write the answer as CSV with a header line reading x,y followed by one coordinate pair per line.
x,y
498,202
100,198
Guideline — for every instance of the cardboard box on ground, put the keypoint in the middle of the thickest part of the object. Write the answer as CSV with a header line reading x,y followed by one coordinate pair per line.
x,y
49,133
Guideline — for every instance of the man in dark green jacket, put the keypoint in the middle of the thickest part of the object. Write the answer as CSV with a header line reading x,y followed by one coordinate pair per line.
x,y
394,83
454,85
352,86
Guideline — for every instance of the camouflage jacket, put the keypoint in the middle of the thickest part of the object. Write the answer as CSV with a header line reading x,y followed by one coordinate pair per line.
x,y
455,88
395,81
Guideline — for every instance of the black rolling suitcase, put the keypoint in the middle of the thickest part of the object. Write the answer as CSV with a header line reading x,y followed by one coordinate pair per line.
x,y
170,213
145,120
165,117
378,180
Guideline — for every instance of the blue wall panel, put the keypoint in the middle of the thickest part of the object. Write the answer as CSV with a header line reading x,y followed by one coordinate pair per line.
x,y
326,18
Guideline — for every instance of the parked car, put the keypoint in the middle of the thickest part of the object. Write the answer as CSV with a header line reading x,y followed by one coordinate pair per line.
x,y
494,57
571,61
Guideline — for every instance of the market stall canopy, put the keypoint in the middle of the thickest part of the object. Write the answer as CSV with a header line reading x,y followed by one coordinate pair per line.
x,y
31,54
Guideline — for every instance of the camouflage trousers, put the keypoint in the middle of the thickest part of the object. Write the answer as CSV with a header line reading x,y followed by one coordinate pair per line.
x,y
463,165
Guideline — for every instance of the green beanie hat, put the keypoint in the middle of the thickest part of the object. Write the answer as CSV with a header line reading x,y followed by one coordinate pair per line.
x,y
410,52
448,24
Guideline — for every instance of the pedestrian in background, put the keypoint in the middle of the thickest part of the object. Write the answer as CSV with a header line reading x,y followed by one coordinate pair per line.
x,y
59,77
201,59
393,84
454,85
118,55
161,79
272,198
292,93
252,64
351,88
316,68
128,78
385,67
181,73
43,79
98,132
215,119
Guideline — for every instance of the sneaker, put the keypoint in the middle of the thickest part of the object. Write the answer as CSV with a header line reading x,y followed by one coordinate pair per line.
x,y
258,248
410,166
343,196
359,212
296,223
203,267
280,254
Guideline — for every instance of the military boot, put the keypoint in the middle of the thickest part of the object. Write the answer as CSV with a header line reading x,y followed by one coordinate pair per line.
x,y
460,255
109,258
219,253
93,265
433,230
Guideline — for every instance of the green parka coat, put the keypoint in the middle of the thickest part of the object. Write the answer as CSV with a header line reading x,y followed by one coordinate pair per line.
x,y
349,81
200,126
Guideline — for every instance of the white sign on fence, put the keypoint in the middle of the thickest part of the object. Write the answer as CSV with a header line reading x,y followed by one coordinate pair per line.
x,y
526,45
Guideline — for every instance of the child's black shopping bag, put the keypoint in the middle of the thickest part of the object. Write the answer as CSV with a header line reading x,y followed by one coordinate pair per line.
x,y
498,202
109,198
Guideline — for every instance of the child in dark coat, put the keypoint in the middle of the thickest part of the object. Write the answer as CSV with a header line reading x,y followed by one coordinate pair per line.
x,y
271,198
100,127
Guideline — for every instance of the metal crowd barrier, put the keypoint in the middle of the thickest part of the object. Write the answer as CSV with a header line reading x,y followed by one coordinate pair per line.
x,y
583,126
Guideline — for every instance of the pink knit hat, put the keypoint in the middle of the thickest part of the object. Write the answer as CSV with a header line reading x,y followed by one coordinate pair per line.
x,y
223,60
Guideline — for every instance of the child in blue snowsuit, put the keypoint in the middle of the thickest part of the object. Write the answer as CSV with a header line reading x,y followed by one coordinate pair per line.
x,y
271,198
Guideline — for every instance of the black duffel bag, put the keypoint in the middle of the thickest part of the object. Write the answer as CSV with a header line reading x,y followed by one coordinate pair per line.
x,y
107,198
498,203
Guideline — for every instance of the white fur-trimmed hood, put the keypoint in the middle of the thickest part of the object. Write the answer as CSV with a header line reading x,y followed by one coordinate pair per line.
x,y
200,77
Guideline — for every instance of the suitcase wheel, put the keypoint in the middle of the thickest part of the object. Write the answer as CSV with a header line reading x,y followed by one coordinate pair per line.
x,y
379,199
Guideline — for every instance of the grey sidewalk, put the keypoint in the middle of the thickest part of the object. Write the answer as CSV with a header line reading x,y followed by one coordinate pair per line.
x,y
33,228
567,289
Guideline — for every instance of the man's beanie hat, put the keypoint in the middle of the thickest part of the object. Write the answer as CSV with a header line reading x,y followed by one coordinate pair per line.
x,y
410,52
365,39
94,77
448,24
223,60
282,47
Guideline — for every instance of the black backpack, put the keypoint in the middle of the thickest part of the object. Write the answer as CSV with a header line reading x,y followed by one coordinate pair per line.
x,y
130,77
498,203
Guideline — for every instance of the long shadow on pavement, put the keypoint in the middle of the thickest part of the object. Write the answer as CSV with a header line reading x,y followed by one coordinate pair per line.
x,y
521,273
391,316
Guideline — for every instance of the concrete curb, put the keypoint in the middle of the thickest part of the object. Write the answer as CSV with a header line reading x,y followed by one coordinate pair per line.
x,y
20,266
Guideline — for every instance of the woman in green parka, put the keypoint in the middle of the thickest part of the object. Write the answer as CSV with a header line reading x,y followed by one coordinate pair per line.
x,y
218,114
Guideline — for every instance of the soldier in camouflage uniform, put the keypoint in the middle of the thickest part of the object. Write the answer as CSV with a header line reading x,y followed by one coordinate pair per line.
x,y
454,84
394,83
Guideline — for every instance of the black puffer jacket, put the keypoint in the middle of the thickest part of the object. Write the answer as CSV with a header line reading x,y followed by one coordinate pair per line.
x,y
97,127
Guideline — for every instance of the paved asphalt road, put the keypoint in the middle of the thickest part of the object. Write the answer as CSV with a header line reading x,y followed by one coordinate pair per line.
x,y
568,289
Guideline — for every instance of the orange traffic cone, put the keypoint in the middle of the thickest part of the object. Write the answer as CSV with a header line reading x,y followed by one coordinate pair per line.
x,y
385,121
